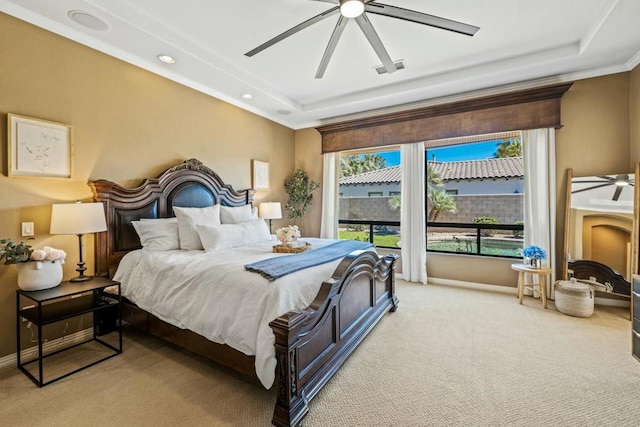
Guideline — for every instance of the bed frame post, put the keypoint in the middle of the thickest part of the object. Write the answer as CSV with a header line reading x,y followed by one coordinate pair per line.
x,y
291,407
312,344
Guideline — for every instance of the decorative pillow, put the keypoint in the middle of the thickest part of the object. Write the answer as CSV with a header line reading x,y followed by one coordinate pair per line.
x,y
235,215
158,235
189,219
227,236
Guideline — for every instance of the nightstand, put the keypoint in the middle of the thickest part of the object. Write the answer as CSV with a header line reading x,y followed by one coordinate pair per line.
x,y
63,302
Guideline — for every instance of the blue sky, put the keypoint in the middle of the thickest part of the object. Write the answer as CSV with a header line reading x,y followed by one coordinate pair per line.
x,y
481,150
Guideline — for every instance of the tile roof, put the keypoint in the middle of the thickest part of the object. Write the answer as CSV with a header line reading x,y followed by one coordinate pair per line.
x,y
380,176
507,167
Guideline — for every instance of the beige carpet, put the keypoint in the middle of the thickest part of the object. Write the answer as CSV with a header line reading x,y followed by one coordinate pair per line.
x,y
448,357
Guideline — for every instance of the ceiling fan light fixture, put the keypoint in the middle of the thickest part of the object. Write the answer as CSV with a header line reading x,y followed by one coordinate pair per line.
x,y
622,183
351,8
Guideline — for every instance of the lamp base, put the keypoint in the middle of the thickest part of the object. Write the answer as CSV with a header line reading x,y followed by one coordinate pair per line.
x,y
82,278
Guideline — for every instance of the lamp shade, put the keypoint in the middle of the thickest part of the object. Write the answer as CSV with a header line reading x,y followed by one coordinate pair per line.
x,y
270,210
77,218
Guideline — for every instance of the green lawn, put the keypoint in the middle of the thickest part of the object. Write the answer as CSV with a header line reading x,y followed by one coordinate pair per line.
x,y
388,240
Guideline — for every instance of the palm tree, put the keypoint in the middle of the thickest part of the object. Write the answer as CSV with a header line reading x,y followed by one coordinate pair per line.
x,y
395,203
433,177
511,147
360,163
440,202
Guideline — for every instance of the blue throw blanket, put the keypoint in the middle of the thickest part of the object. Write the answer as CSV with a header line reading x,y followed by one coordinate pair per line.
x,y
274,268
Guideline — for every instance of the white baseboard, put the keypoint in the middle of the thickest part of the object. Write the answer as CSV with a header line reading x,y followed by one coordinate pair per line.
x,y
611,302
48,347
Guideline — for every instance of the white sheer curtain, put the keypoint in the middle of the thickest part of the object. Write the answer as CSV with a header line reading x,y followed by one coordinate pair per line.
x,y
412,216
538,148
329,223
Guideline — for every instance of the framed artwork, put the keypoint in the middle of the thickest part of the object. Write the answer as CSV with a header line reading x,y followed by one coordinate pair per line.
x,y
38,148
260,175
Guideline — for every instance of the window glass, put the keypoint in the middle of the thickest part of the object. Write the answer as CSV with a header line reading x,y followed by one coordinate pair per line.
x,y
369,197
479,185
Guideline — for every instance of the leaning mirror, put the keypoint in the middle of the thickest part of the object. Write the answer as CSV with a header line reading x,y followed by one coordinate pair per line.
x,y
600,240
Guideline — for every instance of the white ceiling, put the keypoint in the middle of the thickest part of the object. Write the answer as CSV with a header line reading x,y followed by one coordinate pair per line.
x,y
521,43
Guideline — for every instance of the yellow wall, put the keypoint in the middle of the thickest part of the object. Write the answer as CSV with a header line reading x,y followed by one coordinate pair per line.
x,y
634,114
128,124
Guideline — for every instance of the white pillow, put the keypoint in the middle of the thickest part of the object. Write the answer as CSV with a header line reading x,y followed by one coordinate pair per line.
x,y
235,215
189,219
227,236
158,235
160,220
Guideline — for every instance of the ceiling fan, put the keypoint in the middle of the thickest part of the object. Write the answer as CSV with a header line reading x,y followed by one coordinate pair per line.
x,y
358,9
619,181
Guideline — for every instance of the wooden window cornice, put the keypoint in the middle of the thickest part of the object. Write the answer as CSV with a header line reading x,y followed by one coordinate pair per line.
x,y
521,110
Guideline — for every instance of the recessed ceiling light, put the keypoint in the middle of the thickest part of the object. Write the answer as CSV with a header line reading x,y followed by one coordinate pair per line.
x,y
283,112
247,96
167,59
87,20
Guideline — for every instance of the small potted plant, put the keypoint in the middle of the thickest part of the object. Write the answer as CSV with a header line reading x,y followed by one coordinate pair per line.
x,y
37,268
533,256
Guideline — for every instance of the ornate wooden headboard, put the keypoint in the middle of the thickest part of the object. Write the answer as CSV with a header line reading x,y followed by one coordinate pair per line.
x,y
189,184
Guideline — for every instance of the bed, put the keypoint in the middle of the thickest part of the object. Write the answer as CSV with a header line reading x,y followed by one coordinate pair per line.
x,y
310,342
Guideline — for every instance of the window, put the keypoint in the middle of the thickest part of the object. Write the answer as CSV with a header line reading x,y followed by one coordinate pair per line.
x,y
483,214
365,213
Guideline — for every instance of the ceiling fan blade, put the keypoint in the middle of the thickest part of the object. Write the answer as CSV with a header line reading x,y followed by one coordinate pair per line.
x,y
376,43
590,188
616,194
421,18
608,178
294,30
333,42
329,1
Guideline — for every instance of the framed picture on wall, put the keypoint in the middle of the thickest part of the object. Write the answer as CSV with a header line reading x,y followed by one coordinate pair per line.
x,y
260,175
38,148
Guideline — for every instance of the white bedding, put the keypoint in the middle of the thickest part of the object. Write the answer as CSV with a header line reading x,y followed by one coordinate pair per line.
x,y
211,294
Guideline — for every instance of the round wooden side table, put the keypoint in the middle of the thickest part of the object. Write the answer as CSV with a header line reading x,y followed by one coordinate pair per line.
x,y
542,273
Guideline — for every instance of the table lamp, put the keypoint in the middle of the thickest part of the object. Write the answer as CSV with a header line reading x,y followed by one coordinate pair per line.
x,y
270,211
78,218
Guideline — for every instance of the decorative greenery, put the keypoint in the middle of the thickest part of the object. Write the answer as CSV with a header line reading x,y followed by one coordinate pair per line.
x,y
300,189
535,252
13,253
486,220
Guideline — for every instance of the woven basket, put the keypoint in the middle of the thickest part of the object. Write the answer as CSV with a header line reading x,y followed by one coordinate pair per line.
x,y
574,298
284,249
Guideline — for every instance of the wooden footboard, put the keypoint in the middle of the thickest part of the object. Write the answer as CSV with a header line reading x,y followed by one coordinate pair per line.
x,y
312,344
